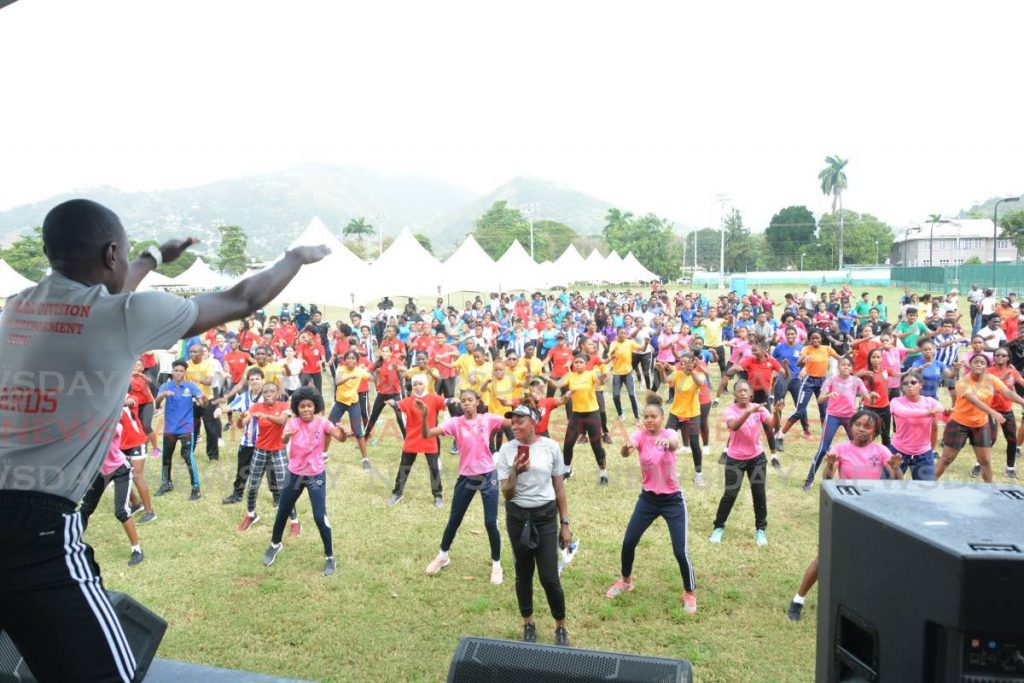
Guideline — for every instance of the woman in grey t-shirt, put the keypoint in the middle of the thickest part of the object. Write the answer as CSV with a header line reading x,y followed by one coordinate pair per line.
x,y
530,470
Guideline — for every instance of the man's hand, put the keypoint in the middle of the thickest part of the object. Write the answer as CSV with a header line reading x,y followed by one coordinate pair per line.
x,y
307,255
172,249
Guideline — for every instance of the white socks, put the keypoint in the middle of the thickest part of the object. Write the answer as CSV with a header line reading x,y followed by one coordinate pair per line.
x,y
442,555
798,599
604,473
496,563
137,548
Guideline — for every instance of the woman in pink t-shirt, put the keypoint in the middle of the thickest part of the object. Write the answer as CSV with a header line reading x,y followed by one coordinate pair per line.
x,y
840,391
744,455
916,419
859,458
307,437
659,497
472,432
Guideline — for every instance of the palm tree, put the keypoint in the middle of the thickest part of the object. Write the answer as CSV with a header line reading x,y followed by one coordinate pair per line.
x,y
933,219
616,219
357,227
833,182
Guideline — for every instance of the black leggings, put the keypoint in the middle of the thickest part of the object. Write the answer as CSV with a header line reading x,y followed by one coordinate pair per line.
x,y
542,556
885,416
498,436
379,401
689,432
705,430
643,362
406,464
1010,433
672,508
146,417
445,387
170,441
756,470
589,424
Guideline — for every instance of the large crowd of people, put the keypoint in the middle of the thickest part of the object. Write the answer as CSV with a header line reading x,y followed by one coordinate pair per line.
x,y
491,375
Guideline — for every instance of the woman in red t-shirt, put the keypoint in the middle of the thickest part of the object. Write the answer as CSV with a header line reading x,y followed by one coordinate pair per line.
x,y
876,379
387,374
271,416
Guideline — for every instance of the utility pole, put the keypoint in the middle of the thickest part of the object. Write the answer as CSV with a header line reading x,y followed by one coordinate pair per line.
x,y
530,210
722,201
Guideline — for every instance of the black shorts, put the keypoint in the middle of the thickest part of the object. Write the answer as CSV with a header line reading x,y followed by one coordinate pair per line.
x,y
688,427
137,453
957,435
763,397
146,417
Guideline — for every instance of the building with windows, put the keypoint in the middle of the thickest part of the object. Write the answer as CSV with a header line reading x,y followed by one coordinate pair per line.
x,y
949,243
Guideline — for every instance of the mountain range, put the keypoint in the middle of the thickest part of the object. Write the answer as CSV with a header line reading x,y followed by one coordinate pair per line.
x,y
273,208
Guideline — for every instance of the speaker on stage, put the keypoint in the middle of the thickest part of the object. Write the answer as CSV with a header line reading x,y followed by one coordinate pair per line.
x,y
920,581
143,628
480,660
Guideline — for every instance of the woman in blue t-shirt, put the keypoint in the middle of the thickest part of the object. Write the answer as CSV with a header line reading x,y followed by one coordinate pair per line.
x,y
932,370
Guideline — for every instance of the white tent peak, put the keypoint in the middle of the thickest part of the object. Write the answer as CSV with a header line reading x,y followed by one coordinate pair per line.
x,y
316,233
470,269
11,281
201,276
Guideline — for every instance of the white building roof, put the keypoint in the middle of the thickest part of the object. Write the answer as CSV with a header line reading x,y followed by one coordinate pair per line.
x,y
950,229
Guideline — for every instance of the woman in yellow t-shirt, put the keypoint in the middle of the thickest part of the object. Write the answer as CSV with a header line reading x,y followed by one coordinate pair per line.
x,y
813,362
973,418
499,396
585,416
620,354
684,415
346,399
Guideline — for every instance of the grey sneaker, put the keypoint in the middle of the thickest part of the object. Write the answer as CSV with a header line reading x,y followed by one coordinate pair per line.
x,y
271,554
136,558
136,509
529,633
1011,472
394,500
795,608
165,487
438,502
976,471
366,464
330,566
148,517
562,637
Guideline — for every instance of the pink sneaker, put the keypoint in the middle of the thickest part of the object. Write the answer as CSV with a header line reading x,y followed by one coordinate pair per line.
x,y
808,436
689,603
437,564
619,588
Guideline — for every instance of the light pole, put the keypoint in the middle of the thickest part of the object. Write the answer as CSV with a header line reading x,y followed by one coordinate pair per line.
x,y
529,210
876,252
995,234
722,199
802,254
906,242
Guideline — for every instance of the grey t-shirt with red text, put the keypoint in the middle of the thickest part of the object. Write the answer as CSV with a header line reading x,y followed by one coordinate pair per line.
x,y
66,354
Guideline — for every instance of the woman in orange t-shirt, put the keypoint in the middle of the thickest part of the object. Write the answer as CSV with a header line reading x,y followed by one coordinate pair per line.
x,y
973,418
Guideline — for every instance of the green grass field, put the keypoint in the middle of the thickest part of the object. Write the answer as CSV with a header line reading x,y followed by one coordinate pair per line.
x,y
382,618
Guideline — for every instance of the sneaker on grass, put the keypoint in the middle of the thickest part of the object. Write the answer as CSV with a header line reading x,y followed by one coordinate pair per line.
x,y
760,537
618,588
438,502
562,637
795,608
295,528
248,520
394,500
438,563
689,601
976,471
148,517
136,509
497,574
271,554
165,487
330,566
530,633
698,479
136,558
195,495
716,535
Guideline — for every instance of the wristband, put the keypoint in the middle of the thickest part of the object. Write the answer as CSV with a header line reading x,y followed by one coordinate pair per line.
x,y
154,253
565,522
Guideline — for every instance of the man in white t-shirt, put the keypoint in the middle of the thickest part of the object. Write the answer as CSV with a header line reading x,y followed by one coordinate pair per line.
x,y
993,334
70,344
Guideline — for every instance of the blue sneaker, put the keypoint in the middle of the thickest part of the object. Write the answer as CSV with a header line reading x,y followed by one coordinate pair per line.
x,y
716,535
760,537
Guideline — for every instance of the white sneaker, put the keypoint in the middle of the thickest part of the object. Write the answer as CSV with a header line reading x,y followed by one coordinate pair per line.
x,y
497,575
698,479
437,564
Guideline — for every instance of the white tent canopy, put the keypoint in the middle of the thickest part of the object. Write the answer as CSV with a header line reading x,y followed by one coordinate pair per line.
x,y
516,270
404,269
569,267
470,269
616,269
154,279
316,233
201,276
11,281
596,268
338,280
636,271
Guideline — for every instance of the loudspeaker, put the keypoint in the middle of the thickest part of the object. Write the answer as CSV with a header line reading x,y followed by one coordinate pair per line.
x,y
483,660
920,581
143,628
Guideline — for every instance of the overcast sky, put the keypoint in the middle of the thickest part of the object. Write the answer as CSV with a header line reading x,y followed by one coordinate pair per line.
x,y
653,106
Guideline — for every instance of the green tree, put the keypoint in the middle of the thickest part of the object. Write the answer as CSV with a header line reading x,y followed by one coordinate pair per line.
x,y
424,242
833,182
616,218
232,255
173,269
502,224
790,233
652,241
737,244
1012,228
26,255
357,228
708,252
862,231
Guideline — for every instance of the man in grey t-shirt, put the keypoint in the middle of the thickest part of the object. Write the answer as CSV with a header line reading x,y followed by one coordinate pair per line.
x,y
67,347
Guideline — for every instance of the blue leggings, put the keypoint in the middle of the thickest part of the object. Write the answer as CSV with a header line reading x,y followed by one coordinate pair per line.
x,y
810,386
792,387
355,416
465,487
832,425
650,506
316,486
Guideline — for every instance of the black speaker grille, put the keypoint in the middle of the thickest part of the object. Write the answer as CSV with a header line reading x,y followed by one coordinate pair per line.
x,y
499,662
